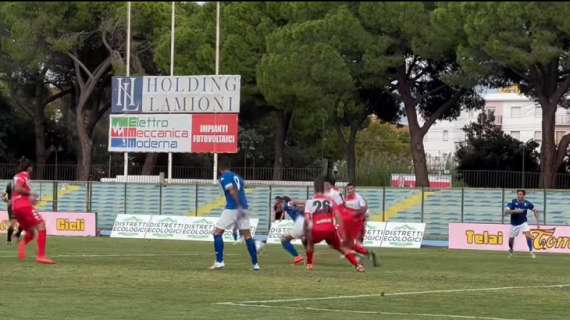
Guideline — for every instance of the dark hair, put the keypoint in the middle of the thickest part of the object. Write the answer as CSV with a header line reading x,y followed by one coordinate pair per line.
x,y
284,198
330,180
224,164
521,190
319,185
23,164
350,184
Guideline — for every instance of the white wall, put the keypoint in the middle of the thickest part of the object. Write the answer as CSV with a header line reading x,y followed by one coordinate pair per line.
x,y
524,122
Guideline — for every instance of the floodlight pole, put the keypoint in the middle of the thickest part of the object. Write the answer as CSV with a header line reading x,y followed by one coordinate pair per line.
x,y
172,30
215,173
128,73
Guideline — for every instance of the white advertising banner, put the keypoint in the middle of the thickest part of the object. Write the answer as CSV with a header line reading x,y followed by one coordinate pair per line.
x,y
403,235
169,227
378,234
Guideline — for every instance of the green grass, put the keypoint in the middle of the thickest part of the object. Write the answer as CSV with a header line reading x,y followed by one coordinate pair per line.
x,y
142,279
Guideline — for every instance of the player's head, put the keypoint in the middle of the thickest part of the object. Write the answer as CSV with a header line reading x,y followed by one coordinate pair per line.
x,y
319,185
224,165
329,183
521,194
24,165
279,204
350,188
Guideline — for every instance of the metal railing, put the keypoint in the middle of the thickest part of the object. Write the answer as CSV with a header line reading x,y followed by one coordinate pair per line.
x,y
365,177
68,172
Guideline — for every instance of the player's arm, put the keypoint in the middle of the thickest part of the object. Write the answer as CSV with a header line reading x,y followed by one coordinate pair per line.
x,y
299,204
19,188
234,194
363,206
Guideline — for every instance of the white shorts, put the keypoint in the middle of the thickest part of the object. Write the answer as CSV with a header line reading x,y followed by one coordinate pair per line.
x,y
298,228
229,219
516,230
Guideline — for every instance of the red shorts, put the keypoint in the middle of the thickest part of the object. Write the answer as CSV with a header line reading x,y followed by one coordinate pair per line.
x,y
27,217
352,224
328,234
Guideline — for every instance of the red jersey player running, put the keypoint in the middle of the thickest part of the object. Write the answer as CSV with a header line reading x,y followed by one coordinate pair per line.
x,y
30,221
321,218
352,219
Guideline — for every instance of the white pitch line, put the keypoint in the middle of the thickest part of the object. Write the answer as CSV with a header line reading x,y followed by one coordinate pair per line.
x,y
426,315
122,255
406,293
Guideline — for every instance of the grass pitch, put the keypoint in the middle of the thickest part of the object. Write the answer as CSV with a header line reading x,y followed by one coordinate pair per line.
x,y
103,278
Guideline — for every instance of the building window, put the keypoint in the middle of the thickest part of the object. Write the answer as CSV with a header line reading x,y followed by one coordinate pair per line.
x,y
516,112
538,136
516,134
490,111
445,135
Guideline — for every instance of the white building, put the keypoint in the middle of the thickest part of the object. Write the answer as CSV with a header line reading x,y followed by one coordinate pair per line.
x,y
517,115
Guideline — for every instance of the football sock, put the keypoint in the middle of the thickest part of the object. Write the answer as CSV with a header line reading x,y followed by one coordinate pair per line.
x,y
529,243
251,249
219,248
289,248
42,240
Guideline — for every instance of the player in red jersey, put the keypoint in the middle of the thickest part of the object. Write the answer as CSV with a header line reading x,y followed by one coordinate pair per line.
x,y
356,222
322,221
351,222
29,219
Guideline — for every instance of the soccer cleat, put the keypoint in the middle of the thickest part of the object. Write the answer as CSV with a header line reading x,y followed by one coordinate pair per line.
x,y
532,255
256,267
510,253
298,260
360,268
217,266
44,260
310,267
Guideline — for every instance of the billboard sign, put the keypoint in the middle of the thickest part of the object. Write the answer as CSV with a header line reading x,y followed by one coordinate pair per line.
x,y
176,94
177,133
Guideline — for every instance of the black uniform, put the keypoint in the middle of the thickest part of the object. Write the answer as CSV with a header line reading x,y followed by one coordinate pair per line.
x,y
9,205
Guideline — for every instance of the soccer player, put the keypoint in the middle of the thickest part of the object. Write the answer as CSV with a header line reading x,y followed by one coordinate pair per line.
x,y
235,214
284,206
7,197
28,218
351,224
518,209
356,202
321,223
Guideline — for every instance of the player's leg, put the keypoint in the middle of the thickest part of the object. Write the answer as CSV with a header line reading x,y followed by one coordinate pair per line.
x,y
335,241
42,242
244,227
34,225
310,248
514,233
226,221
288,246
10,230
528,235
